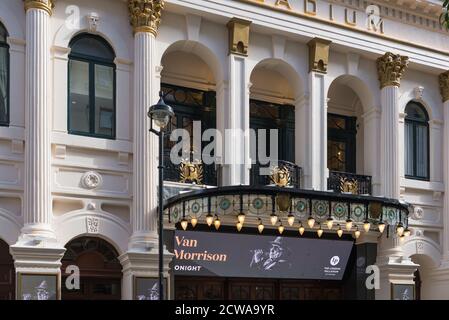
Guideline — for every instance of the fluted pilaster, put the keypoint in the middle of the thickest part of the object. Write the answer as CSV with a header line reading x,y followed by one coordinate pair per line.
x,y
444,89
390,69
146,85
37,207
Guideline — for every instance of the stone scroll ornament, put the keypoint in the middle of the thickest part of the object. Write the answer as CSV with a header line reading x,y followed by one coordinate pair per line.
x,y
46,5
391,68
145,15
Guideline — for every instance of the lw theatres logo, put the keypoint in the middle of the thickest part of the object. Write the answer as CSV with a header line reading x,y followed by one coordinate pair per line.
x,y
370,19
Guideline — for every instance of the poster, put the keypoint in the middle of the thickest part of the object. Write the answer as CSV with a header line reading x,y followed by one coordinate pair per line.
x,y
38,287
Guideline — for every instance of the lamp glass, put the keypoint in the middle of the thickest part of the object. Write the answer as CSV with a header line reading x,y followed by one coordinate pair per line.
x,y
381,227
260,227
366,226
209,219
281,229
348,225
311,222
241,217
239,226
194,221
400,229
290,219
301,230
273,219
357,234
339,231
184,224
407,232
320,232
217,223
330,223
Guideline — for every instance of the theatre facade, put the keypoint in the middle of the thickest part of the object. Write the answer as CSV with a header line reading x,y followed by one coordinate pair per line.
x,y
351,96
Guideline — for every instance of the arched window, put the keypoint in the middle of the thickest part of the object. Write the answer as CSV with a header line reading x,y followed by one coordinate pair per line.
x,y
416,142
4,77
91,109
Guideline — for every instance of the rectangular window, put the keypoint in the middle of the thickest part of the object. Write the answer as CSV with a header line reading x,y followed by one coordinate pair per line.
x,y
4,85
409,149
91,99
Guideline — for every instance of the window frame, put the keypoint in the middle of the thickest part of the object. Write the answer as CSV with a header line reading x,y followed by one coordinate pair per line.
x,y
8,80
92,62
415,123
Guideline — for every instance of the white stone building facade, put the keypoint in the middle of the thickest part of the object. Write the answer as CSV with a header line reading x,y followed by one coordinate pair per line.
x,y
60,181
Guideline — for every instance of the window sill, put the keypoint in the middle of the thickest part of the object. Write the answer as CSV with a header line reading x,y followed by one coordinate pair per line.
x,y
86,142
422,185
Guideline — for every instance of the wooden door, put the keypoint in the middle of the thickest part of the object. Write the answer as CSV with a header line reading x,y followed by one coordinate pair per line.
x,y
7,273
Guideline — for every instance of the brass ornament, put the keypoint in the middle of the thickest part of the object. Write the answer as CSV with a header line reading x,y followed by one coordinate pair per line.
x,y
145,15
318,55
283,201
238,36
390,69
191,172
46,5
349,185
444,85
280,176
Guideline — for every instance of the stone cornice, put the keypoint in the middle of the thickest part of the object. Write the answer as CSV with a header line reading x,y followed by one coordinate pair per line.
x,y
145,15
390,69
46,5
444,85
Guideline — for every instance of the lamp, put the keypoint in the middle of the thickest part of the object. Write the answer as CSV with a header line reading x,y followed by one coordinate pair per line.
x,y
161,114
281,227
239,226
330,223
273,219
407,232
301,229
400,229
357,233
311,222
348,225
381,227
184,224
366,225
217,223
339,231
260,227
194,221
241,217
290,219
209,219
319,231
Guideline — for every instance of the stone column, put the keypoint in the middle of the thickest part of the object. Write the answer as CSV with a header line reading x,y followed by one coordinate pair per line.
x,y
394,268
316,172
37,250
236,148
444,87
142,257
390,69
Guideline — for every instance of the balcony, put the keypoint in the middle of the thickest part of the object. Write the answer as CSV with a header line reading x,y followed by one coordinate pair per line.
x,y
292,171
343,182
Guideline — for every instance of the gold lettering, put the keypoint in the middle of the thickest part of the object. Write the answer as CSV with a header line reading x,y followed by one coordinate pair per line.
x,y
307,5
348,21
283,3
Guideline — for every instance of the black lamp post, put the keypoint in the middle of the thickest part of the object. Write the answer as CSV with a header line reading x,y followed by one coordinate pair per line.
x,y
161,114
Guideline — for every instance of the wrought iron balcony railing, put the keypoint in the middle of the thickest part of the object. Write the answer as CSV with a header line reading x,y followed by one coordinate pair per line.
x,y
286,174
343,182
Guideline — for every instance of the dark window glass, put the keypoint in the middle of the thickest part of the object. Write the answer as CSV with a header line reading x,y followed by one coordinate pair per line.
x,y
91,87
4,77
416,142
341,143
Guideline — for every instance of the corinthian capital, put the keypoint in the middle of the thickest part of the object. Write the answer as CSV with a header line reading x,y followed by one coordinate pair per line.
x,y
444,86
46,5
145,15
390,68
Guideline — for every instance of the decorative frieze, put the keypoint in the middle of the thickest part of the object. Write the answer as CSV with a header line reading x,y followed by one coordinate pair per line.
x,y
145,15
238,36
390,69
444,86
318,54
46,5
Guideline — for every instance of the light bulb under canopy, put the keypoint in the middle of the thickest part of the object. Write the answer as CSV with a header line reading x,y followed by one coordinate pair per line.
x,y
319,232
260,227
281,228
330,223
290,219
339,231
357,233
311,222
239,226
381,227
273,219
184,224
348,225
194,221
407,232
366,225
301,229
217,223
241,217
400,229
209,219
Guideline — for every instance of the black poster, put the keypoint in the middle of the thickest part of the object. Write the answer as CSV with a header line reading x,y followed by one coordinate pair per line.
x,y
240,255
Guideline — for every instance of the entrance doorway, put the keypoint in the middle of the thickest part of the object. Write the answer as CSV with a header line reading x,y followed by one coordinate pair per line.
x,y
195,288
100,270
7,273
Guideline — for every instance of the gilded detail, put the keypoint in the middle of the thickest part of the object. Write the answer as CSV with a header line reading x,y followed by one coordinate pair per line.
x,y
391,68
444,86
46,5
238,36
145,15
318,55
